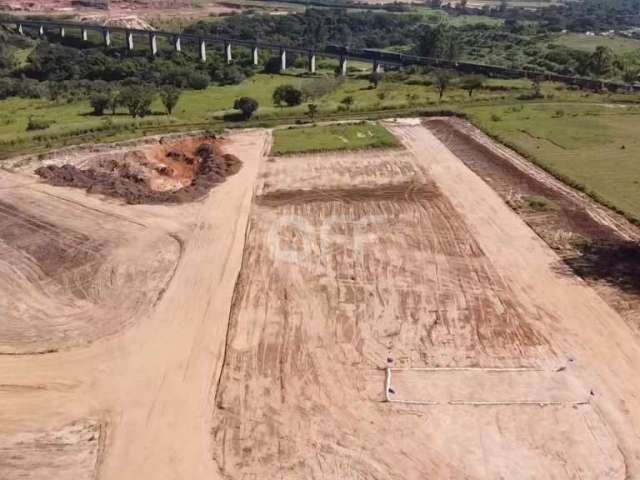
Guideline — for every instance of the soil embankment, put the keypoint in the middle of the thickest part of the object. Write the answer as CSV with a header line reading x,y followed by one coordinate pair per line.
x,y
177,173
597,245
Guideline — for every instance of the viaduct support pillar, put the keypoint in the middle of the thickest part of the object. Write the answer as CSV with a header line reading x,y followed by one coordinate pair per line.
x,y
203,51
312,62
254,55
227,52
153,44
62,32
84,34
343,65
177,43
129,36
283,59
106,35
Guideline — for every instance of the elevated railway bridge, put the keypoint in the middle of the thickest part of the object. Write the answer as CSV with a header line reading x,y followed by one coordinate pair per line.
x,y
377,58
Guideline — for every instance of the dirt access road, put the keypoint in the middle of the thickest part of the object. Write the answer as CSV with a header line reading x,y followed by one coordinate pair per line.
x,y
322,278
135,403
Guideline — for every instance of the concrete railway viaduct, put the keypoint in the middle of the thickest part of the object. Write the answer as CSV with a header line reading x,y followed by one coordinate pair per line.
x,y
377,58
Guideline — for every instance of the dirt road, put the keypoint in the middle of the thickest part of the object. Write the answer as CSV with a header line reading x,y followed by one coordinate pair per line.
x,y
322,278
147,387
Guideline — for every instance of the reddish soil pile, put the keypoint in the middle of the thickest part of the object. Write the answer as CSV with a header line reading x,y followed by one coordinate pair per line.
x,y
178,173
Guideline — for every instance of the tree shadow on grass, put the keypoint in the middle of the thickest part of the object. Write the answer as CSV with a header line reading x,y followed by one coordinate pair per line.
x,y
617,263
234,117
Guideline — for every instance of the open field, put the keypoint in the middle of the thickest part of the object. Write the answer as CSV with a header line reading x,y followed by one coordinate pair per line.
x,y
74,119
296,284
589,43
595,147
326,138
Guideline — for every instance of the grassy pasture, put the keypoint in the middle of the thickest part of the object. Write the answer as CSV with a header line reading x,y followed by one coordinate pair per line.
x,y
327,138
580,41
596,148
586,138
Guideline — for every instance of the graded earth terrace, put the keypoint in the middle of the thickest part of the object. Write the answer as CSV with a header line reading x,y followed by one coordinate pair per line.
x,y
357,314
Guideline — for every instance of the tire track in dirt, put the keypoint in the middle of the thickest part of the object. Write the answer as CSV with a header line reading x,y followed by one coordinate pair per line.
x,y
340,272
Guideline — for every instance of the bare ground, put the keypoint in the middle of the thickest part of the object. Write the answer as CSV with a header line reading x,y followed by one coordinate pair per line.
x,y
356,260
265,355
596,244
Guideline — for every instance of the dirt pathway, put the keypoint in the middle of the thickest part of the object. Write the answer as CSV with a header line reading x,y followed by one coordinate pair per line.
x,y
151,386
602,348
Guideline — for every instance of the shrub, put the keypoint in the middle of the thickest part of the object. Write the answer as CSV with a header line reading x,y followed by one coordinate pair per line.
x,y
99,102
37,124
170,96
287,94
246,105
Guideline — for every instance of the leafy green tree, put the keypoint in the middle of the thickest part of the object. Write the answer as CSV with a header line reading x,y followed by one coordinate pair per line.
x,y
439,42
312,110
602,60
114,100
442,80
138,100
631,74
246,105
170,96
375,78
348,102
470,83
287,95
99,102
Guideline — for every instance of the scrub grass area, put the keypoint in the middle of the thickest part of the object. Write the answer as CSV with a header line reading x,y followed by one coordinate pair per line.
x,y
326,138
589,43
593,148
589,140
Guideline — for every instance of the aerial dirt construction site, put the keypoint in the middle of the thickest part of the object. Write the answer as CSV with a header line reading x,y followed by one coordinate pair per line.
x,y
194,307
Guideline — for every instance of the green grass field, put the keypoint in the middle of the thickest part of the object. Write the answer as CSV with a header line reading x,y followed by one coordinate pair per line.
x,y
212,104
596,148
331,137
589,139
587,43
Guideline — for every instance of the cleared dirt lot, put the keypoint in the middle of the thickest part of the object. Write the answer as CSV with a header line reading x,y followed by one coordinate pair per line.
x,y
266,355
148,385
407,258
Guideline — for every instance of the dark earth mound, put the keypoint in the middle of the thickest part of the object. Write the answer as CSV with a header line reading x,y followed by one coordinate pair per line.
x,y
211,167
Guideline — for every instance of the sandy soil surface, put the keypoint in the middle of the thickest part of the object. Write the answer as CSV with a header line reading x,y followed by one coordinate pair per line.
x,y
323,280
149,385
596,244
122,13
72,451
354,261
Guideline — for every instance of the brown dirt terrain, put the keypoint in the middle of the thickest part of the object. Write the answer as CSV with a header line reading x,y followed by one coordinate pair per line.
x,y
177,173
124,13
72,451
71,275
598,245
356,260
118,313
266,355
